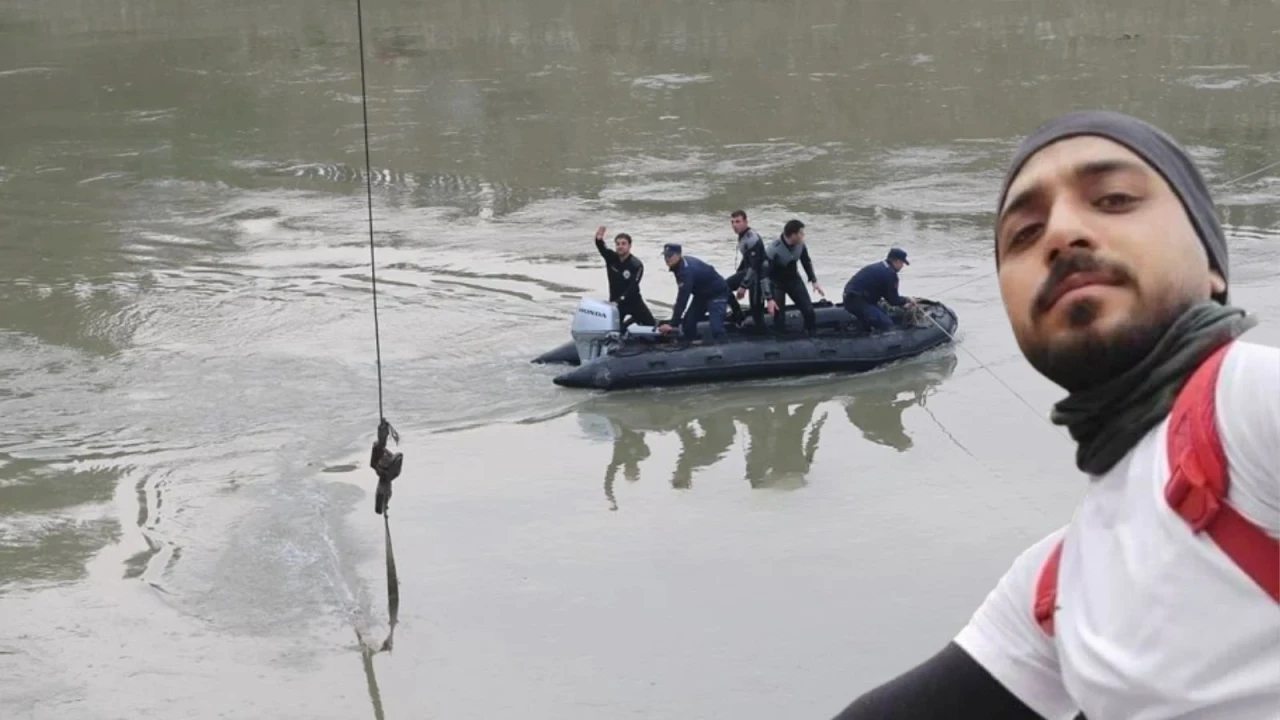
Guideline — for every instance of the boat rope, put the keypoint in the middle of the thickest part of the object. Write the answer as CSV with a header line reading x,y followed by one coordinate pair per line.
x,y
993,374
1246,176
385,463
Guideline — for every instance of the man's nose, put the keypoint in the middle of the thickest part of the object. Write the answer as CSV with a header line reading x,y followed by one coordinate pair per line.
x,y
1069,226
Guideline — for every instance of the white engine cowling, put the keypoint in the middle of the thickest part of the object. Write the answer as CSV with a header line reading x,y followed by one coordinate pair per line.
x,y
597,326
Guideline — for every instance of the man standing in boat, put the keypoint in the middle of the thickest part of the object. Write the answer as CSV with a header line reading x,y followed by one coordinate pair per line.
x,y
873,283
625,271
781,278
702,288
747,277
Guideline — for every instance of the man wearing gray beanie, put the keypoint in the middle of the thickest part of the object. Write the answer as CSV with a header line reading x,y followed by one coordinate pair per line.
x,y
1161,598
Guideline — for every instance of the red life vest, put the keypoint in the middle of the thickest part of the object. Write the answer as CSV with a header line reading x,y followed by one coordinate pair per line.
x,y
1196,491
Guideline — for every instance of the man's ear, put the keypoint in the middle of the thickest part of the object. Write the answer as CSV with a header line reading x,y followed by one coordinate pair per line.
x,y
1217,283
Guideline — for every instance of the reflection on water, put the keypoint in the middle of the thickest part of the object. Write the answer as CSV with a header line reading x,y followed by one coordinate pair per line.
x,y
877,408
781,424
629,449
778,454
46,535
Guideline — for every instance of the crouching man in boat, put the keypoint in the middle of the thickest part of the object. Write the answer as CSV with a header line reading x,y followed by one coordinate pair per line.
x,y
1160,598
746,279
702,288
781,277
873,283
625,271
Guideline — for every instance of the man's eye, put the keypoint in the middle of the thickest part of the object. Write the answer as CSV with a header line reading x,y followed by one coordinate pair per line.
x,y
1024,234
1115,201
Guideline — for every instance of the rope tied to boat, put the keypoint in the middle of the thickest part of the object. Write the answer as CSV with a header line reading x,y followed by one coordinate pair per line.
x,y
916,315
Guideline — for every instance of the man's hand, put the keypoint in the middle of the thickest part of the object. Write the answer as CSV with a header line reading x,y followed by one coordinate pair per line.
x,y
742,292
665,329
600,233
818,288
773,306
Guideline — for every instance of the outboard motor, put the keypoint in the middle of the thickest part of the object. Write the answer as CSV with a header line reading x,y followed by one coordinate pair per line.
x,y
597,328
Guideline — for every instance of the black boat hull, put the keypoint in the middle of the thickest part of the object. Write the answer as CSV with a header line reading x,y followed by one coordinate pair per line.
x,y
837,349
566,354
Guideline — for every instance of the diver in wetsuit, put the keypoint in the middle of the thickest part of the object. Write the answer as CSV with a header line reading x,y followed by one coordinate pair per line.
x,y
702,288
747,276
625,271
781,278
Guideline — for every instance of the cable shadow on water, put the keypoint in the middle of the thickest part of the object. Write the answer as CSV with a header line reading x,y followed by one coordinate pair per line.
x,y
371,678
781,423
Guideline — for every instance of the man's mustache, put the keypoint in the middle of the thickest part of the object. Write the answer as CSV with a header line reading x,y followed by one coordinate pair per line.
x,y
1069,264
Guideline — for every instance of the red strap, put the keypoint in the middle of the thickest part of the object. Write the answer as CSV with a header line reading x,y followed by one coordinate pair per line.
x,y
1196,491
1047,590
1197,486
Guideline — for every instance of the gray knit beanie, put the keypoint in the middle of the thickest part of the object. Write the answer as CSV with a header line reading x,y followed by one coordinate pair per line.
x,y
1152,145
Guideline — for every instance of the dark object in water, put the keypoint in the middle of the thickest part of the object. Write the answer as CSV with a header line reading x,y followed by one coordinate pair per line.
x,y
606,359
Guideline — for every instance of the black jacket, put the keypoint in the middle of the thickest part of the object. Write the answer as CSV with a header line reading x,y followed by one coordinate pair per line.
x,y
624,275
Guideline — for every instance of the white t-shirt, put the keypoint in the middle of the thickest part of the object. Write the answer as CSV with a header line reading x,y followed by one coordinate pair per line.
x,y
1153,622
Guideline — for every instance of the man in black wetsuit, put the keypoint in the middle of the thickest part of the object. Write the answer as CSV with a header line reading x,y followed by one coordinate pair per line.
x,y
625,271
781,277
746,279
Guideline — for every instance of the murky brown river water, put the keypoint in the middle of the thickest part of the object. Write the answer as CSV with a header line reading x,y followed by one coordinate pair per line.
x,y
187,383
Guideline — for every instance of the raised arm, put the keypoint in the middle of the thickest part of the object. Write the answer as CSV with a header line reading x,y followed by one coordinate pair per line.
x,y
605,251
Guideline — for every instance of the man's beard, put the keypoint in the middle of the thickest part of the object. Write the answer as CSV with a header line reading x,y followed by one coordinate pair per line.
x,y
1089,357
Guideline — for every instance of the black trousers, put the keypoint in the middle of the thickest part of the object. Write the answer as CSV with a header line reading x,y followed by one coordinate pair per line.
x,y
754,300
635,308
800,294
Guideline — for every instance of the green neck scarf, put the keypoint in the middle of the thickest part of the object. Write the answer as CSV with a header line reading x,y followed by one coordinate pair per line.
x,y
1108,420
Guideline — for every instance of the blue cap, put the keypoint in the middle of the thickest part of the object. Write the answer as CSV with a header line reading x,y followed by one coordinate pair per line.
x,y
899,254
671,249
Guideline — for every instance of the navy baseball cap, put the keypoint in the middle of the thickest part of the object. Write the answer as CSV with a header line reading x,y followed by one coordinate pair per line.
x,y
899,254
671,249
